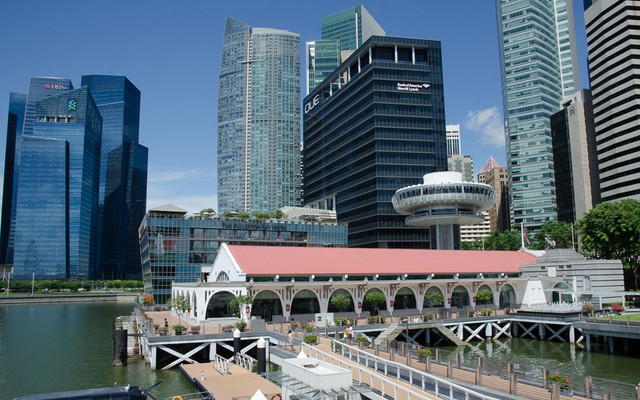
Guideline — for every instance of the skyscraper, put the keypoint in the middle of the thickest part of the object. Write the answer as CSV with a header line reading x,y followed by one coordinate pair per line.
x,y
498,178
342,33
612,32
39,88
57,189
17,105
454,147
258,119
360,147
539,68
574,154
462,164
123,175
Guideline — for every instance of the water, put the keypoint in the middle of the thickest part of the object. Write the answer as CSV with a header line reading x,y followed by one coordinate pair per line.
x,y
57,347
558,356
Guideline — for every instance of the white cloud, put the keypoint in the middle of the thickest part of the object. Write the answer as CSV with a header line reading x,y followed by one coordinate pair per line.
x,y
160,176
192,189
488,123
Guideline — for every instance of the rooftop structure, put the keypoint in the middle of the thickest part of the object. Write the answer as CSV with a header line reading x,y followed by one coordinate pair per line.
x,y
444,201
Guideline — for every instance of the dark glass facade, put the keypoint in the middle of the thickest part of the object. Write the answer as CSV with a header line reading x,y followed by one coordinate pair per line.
x,y
15,119
123,175
73,119
377,124
173,248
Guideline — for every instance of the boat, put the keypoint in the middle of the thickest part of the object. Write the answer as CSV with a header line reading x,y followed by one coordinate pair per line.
x,y
108,393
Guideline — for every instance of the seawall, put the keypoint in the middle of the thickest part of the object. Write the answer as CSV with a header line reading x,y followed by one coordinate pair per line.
x,y
69,298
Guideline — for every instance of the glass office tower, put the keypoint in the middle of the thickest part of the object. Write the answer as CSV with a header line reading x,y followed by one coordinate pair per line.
x,y
39,88
539,68
258,119
375,125
15,119
342,33
123,175
67,130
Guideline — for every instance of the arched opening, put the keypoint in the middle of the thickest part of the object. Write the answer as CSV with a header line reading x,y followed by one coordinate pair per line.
x,y
305,302
339,305
266,304
484,295
374,300
459,297
218,306
404,299
433,297
587,282
222,277
507,297
561,293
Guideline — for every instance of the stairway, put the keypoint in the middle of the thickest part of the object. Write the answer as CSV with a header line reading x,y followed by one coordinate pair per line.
x,y
385,334
450,336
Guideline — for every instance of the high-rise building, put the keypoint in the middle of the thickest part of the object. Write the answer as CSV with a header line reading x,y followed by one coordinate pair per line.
x,y
462,164
575,160
39,88
15,119
498,178
612,31
539,68
123,176
56,198
454,146
258,119
360,147
342,33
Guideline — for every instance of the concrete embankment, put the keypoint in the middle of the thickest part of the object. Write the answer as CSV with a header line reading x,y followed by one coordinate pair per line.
x,y
70,298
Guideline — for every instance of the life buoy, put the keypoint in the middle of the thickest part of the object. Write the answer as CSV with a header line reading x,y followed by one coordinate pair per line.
x,y
176,398
276,397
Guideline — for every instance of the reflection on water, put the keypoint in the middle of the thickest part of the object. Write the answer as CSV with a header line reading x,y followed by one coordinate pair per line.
x,y
558,356
57,347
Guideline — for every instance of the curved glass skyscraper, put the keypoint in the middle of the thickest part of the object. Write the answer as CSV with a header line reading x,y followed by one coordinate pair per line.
x,y
258,119
539,68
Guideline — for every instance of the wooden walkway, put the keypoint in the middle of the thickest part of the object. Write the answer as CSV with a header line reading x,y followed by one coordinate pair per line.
x,y
239,383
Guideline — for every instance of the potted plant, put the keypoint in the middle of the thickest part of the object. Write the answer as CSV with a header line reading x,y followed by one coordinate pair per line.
x,y
507,310
486,312
179,329
364,340
617,308
423,354
404,318
195,330
310,339
430,316
241,325
563,381
228,328
308,328
294,326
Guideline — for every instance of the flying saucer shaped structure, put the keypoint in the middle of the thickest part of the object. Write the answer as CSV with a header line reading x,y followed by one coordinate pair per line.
x,y
444,202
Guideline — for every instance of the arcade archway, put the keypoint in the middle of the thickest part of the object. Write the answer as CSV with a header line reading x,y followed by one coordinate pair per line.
x,y
266,304
459,297
507,297
305,302
404,299
335,308
218,306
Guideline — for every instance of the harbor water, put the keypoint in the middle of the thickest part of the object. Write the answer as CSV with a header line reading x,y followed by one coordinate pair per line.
x,y
58,347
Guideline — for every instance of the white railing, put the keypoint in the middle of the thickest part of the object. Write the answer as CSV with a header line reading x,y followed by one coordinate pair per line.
x,y
244,361
436,385
221,365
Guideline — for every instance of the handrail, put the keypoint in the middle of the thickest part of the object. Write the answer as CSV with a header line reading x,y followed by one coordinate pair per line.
x,y
442,387
221,365
244,361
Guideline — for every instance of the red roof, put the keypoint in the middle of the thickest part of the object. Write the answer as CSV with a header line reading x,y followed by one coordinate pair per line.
x,y
271,260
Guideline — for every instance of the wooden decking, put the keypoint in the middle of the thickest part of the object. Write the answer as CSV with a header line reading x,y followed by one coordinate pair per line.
x,y
239,383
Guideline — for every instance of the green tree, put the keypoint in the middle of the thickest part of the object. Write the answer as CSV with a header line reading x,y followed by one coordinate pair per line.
x,y
434,299
375,299
340,302
553,235
180,305
207,213
278,214
507,240
484,296
611,230
239,303
244,215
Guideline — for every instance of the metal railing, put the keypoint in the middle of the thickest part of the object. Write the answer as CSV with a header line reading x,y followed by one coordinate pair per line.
x,y
584,386
244,361
435,385
221,365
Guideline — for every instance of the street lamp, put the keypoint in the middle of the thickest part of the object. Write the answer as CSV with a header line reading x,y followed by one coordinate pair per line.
x,y
33,281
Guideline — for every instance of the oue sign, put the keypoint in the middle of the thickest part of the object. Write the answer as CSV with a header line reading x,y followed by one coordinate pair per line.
x,y
314,102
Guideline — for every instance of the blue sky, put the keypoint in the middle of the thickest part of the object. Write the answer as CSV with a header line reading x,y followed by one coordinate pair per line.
x,y
171,51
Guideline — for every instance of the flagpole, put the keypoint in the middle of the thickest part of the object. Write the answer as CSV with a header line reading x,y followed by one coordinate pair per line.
x,y
522,233
572,242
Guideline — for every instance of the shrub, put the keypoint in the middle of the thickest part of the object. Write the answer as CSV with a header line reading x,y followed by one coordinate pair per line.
x,y
563,380
341,321
294,326
486,311
377,319
178,329
429,316
629,303
471,313
228,328
617,307
588,308
310,339
423,353
241,325
364,340
308,328
507,310
195,329
147,300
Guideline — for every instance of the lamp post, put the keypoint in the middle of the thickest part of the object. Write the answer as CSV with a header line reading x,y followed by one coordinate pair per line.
x,y
33,281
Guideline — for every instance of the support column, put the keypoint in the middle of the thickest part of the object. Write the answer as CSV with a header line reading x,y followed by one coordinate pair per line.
x,y
588,340
541,331
236,342
213,348
488,331
262,357
611,344
153,358
572,334
461,331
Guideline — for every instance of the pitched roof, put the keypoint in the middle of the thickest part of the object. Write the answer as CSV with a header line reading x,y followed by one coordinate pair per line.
x,y
169,208
272,260
489,165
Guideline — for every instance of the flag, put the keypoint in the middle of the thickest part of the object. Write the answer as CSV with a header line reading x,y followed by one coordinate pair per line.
x,y
525,237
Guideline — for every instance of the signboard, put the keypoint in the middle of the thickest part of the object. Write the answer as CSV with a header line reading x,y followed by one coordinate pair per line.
x,y
412,87
312,103
54,86
72,105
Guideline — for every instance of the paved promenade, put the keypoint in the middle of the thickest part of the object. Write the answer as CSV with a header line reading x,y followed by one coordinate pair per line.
x,y
239,383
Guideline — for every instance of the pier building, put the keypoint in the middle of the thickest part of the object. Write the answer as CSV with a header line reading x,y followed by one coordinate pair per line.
x,y
443,203
297,283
